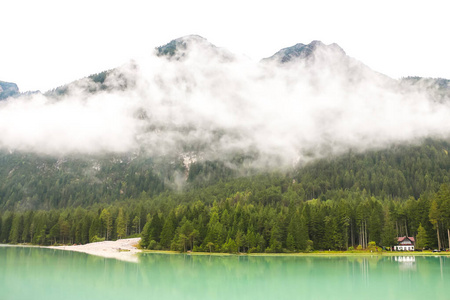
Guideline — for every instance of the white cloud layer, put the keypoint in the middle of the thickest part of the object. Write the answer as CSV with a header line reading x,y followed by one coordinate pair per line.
x,y
215,105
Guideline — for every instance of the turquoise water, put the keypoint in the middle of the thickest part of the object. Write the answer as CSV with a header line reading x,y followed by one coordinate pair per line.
x,y
34,273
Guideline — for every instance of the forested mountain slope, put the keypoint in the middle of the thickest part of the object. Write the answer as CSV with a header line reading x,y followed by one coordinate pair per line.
x,y
29,181
309,149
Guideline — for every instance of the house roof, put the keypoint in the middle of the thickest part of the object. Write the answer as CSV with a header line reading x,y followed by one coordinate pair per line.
x,y
400,239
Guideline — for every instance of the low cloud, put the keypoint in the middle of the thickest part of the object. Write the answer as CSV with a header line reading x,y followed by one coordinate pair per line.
x,y
212,103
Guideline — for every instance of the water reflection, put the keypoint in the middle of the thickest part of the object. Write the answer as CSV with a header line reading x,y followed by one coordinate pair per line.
x,y
406,262
52,274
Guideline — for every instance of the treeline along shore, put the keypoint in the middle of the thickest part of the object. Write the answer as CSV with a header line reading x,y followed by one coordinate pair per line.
x,y
330,204
271,216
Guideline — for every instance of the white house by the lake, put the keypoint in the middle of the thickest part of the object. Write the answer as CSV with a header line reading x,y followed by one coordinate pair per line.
x,y
405,243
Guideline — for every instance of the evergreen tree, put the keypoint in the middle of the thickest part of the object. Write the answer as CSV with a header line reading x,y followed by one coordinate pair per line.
x,y
64,230
293,232
28,218
85,228
15,235
388,235
230,246
168,231
421,238
146,235
435,218
95,229
121,225
156,228
214,233
107,223
239,240
290,242
303,235
54,233
275,239
6,227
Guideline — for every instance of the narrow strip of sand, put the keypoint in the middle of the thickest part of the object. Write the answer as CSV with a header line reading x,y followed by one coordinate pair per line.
x,y
121,249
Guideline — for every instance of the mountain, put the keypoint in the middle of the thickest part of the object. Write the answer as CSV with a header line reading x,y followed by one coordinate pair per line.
x,y
124,77
118,79
34,181
180,48
309,149
8,89
327,63
437,88
302,51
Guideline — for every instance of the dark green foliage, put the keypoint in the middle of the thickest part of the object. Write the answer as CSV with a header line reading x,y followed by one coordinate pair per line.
x,y
145,236
156,226
330,204
421,238
30,181
6,227
168,230
389,234
40,182
400,171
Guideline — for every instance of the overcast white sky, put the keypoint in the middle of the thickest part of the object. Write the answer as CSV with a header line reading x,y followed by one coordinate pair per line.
x,y
48,43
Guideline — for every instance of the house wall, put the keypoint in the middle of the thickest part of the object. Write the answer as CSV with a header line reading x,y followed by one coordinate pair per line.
x,y
404,248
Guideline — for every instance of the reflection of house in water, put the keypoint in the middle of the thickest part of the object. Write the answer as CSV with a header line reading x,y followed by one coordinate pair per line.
x,y
405,259
406,262
405,243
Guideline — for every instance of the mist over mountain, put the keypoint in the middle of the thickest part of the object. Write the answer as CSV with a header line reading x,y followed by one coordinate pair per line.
x,y
306,98
438,89
199,112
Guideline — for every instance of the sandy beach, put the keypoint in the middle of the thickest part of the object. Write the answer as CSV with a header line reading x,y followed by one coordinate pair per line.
x,y
120,249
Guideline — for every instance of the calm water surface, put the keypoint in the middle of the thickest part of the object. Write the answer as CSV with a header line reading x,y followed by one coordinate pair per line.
x,y
34,273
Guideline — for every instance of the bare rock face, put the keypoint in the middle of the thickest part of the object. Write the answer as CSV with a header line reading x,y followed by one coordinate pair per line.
x,y
180,48
8,89
302,51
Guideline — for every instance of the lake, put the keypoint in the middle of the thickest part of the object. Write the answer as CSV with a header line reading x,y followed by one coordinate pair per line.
x,y
37,273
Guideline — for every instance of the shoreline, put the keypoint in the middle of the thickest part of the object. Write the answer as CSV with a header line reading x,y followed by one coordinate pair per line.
x,y
323,253
123,249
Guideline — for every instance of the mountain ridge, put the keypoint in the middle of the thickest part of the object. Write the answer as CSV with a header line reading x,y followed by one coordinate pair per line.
x,y
303,51
177,48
